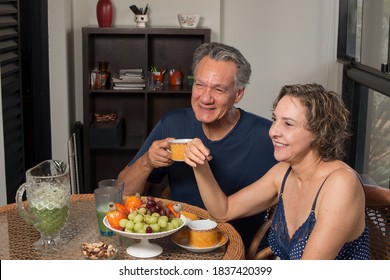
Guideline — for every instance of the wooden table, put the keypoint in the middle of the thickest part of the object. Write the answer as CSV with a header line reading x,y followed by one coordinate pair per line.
x,y
17,237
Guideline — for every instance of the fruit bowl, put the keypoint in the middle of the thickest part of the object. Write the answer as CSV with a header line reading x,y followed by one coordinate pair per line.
x,y
145,249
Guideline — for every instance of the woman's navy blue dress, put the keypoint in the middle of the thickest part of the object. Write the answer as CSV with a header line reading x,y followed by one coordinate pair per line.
x,y
293,249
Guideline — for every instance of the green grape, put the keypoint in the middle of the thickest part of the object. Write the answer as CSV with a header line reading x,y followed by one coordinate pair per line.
x,y
139,218
155,227
129,230
162,222
132,215
142,210
169,226
155,214
176,222
138,226
129,224
152,220
163,229
165,218
180,221
122,223
142,230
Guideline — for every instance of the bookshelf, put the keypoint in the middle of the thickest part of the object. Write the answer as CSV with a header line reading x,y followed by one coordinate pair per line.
x,y
138,109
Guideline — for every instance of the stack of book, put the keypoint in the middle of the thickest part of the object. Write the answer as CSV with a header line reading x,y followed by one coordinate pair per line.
x,y
129,79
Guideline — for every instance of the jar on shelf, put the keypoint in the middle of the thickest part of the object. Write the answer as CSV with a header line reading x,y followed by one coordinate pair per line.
x,y
96,78
103,67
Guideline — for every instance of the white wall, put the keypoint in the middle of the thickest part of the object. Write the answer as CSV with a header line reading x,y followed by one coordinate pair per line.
x,y
61,71
286,42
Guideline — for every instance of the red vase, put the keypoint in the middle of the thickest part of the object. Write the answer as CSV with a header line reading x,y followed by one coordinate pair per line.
x,y
104,13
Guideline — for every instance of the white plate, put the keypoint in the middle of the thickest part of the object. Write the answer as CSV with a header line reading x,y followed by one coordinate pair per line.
x,y
181,239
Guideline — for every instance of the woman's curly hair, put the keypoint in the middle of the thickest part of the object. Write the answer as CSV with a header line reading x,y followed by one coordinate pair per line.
x,y
327,118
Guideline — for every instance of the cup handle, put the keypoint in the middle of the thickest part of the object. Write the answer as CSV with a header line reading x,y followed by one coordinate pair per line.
x,y
27,216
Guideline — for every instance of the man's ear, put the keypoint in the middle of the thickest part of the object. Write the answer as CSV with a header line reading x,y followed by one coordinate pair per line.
x,y
239,95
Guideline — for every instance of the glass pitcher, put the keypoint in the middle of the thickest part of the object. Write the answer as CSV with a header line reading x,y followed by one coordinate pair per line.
x,y
48,196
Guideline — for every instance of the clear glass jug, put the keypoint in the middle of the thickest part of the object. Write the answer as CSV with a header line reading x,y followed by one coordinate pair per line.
x,y
48,198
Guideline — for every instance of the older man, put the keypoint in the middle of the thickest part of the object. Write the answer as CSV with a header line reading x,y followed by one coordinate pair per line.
x,y
237,141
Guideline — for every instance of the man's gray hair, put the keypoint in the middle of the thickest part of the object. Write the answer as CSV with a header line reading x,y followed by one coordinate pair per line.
x,y
222,52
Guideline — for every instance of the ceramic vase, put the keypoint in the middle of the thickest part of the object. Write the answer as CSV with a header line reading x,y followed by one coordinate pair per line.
x,y
104,13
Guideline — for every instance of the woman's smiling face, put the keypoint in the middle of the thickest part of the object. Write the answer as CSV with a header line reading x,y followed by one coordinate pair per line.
x,y
288,132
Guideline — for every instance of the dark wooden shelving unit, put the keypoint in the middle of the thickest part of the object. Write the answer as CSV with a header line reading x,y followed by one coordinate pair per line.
x,y
124,48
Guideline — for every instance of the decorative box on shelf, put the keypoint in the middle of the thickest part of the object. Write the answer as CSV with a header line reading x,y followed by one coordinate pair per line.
x,y
107,134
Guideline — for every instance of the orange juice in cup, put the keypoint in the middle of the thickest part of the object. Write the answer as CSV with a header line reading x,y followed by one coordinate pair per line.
x,y
202,233
177,148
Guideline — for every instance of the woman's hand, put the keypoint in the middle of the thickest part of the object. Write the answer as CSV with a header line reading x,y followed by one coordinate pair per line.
x,y
196,153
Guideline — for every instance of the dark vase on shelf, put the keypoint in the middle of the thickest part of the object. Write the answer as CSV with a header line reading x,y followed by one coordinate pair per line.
x,y
104,13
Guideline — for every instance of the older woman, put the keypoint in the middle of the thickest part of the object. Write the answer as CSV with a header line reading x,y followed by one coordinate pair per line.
x,y
320,200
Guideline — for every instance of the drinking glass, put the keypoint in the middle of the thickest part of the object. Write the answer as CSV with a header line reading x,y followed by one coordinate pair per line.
x,y
103,196
113,183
